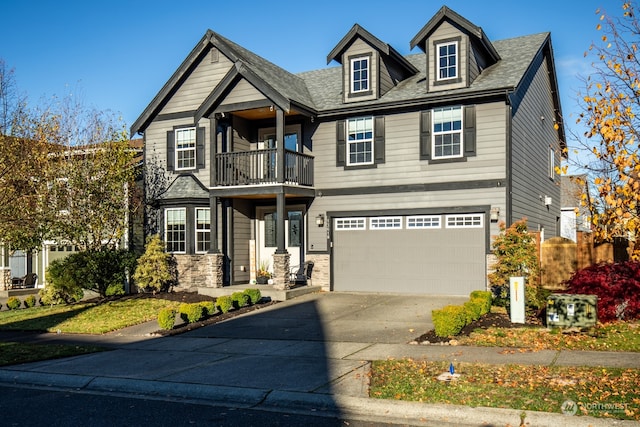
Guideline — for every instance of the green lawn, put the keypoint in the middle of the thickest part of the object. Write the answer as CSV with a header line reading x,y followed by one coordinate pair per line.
x,y
84,318
597,392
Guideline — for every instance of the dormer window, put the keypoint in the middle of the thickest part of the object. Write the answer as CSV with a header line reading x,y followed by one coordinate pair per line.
x,y
360,74
447,60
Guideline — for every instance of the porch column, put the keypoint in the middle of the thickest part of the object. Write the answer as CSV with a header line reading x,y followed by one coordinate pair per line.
x,y
213,150
213,211
280,197
280,216
279,145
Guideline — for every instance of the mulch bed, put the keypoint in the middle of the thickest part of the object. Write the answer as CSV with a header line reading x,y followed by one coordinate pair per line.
x,y
499,320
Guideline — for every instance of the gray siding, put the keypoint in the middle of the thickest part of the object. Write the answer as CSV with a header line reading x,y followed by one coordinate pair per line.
x,y
242,214
200,83
402,154
532,135
243,92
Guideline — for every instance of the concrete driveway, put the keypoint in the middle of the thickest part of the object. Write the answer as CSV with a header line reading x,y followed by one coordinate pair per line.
x,y
337,317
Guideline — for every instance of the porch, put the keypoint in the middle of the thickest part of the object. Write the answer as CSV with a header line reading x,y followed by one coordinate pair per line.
x,y
269,291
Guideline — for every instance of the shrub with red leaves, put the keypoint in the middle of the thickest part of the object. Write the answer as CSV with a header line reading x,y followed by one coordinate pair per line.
x,y
616,285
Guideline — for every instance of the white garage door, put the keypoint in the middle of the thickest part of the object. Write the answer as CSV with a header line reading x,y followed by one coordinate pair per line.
x,y
422,254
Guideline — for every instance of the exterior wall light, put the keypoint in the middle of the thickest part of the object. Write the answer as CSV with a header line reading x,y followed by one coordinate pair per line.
x,y
320,220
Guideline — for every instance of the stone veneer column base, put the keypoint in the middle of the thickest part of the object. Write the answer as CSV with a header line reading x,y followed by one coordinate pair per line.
x,y
281,266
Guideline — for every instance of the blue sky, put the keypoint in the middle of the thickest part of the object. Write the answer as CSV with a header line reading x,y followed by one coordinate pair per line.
x,y
116,55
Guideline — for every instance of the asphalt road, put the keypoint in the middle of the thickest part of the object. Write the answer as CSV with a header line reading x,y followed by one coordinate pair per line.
x,y
29,407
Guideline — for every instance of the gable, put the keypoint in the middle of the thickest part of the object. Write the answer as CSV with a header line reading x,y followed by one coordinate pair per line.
x,y
242,92
197,84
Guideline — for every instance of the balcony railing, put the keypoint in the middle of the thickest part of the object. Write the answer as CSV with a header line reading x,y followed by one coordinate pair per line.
x,y
259,167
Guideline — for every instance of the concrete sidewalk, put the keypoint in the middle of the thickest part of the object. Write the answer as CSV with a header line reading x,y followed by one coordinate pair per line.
x,y
310,354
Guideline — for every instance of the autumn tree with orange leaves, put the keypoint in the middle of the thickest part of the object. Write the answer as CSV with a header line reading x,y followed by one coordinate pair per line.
x,y
610,105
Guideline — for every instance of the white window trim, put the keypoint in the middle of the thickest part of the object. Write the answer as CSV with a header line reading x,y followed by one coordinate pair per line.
x,y
438,68
434,134
356,223
166,234
368,79
424,222
552,163
199,231
468,221
181,150
370,140
385,223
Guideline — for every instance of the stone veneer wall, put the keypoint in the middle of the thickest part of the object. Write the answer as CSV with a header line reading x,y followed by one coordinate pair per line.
x,y
201,270
320,274
5,279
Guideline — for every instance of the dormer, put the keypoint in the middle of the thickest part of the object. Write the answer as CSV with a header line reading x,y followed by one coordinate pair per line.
x,y
370,68
456,51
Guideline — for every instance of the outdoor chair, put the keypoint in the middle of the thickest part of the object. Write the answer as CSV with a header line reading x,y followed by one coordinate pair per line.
x,y
300,275
30,280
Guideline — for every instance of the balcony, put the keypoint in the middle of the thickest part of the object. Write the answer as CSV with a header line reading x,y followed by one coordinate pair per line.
x,y
258,167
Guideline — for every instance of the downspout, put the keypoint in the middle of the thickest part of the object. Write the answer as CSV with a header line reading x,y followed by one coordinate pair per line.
x,y
509,160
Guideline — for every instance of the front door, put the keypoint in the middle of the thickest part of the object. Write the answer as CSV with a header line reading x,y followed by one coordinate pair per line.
x,y
266,235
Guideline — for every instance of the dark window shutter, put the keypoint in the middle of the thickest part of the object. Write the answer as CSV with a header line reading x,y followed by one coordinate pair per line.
x,y
200,148
171,150
425,135
341,143
469,131
378,139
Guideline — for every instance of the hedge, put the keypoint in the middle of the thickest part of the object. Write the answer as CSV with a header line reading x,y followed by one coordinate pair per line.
x,y
450,320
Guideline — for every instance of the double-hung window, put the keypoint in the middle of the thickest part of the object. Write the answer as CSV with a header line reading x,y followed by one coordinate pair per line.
x,y
360,74
447,60
203,230
185,148
360,141
175,220
447,132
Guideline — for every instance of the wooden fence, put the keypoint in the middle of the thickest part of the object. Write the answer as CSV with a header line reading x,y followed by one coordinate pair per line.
x,y
560,257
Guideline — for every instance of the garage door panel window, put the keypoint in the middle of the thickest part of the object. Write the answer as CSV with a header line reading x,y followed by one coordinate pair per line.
x,y
385,223
423,221
350,224
464,221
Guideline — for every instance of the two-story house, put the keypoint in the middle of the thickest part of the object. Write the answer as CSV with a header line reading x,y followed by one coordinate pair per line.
x,y
389,172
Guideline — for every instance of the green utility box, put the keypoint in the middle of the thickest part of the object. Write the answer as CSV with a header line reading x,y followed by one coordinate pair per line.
x,y
567,310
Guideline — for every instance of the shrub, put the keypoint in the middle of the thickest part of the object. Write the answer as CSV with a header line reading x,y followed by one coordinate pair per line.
x,y
114,289
472,310
254,295
208,307
191,313
449,320
516,256
155,270
240,299
616,285
95,270
29,301
64,284
13,303
167,318
484,299
224,303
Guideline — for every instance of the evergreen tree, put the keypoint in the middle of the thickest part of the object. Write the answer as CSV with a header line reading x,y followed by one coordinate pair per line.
x,y
154,270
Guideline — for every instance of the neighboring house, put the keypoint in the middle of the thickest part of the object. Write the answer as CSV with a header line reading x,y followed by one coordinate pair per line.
x,y
574,216
389,172
17,263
